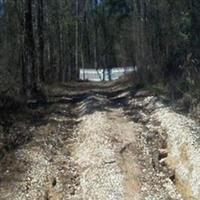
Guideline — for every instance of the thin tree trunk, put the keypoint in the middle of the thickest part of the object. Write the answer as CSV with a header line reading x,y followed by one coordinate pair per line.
x,y
95,39
41,39
29,52
83,63
76,40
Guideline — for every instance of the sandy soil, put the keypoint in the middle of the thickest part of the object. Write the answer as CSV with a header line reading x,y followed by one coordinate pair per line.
x,y
98,145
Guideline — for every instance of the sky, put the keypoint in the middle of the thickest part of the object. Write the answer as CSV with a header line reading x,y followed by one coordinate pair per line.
x,y
1,8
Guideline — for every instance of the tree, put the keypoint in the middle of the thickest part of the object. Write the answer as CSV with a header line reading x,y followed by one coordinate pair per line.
x,y
40,23
77,40
49,41
30,84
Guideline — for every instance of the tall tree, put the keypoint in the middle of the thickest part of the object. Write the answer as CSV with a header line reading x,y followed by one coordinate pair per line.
x,y
30,84
41,39
77,40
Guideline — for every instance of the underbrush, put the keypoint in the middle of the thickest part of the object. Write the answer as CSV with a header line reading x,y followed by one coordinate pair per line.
x,y
180,95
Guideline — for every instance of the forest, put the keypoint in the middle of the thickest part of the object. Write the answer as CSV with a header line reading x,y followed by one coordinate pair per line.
x,y
64,136
48,41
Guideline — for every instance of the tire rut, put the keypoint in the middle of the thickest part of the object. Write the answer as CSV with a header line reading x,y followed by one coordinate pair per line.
x,y
88,149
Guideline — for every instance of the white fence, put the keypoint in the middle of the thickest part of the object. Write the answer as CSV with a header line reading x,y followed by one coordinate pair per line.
x,y
104,74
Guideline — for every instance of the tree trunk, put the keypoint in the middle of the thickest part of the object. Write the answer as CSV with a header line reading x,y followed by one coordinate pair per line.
x,y
95,38
41,40
29,53
76,40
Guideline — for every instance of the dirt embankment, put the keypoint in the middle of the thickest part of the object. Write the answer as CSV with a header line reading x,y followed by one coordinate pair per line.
x,y
182,142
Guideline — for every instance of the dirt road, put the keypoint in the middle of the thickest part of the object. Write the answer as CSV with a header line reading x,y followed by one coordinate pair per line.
x,y
89,146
